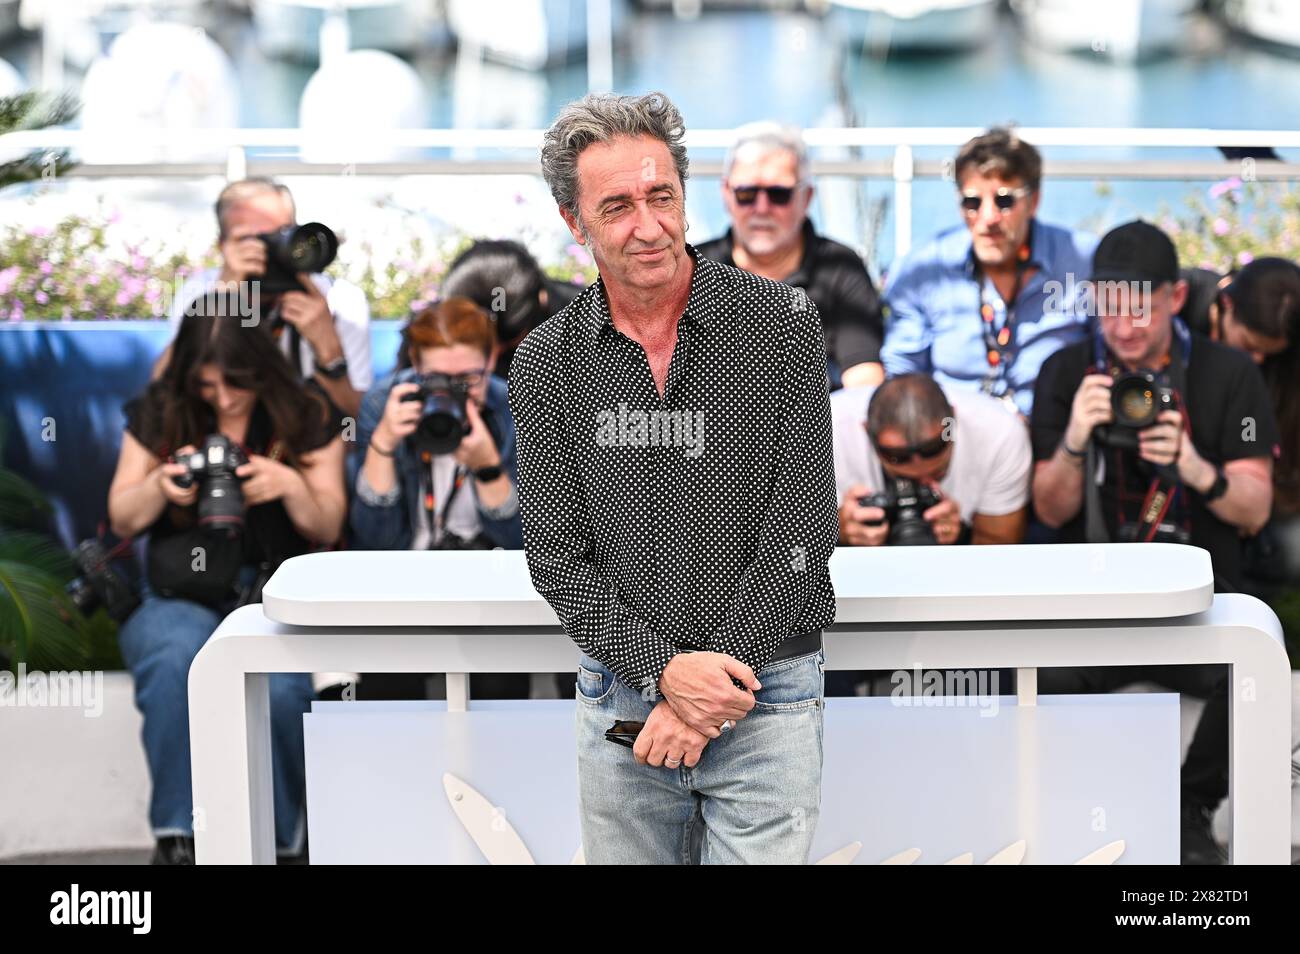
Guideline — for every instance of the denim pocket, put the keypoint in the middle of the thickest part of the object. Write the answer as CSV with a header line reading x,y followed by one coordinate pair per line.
x,y
791,684
595,683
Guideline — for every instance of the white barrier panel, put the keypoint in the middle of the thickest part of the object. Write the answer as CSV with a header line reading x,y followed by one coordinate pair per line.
x,y
897,608
411,783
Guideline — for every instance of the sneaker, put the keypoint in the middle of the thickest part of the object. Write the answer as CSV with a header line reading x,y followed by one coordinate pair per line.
x,y
173,850
1198,844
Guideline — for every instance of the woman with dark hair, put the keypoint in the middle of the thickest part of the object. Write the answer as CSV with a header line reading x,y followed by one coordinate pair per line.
x,y
1257,311
503,278
229,465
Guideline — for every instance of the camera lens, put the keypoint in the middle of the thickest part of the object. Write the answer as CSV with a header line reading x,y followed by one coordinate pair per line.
x,y
442,425
1134,405
311,248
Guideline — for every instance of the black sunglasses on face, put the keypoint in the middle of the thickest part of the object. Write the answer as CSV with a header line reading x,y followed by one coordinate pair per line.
x,y
927,450
1005,199
777,195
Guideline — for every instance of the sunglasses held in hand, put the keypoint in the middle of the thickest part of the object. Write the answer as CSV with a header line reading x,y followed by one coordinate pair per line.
x,y
624,733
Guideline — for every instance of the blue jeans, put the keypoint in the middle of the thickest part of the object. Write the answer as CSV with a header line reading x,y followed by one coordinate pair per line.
x,y
159,641
753,798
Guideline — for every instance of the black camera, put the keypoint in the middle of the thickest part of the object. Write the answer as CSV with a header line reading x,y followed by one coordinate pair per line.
x,y
221,501
98,584
292,249
443,419
1136,399
904,502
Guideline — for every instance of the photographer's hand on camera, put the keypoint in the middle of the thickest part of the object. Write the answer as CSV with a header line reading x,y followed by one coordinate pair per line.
x,y
265,480
944,519
242,259
478,450
1165,443
1092,406
309,312
399,420
168,471
861,526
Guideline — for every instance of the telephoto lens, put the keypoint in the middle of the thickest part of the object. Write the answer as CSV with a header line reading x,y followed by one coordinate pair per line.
x,y
309,248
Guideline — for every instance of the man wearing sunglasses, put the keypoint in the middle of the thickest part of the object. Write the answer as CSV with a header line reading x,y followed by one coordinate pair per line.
x,y
907,428
983,304
766,189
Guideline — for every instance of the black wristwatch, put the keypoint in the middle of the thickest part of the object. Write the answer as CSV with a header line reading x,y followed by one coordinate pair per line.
x,y
336,369
485,475
1218,488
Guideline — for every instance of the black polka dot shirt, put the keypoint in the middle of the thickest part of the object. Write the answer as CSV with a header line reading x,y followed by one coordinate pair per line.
x,y
704,520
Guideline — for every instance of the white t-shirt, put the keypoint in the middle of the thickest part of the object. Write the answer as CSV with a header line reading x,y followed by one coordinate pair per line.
x,y
462,519
345,300
989,470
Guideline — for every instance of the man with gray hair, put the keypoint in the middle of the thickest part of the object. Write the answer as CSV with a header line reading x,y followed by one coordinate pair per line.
x,y
694,579
766,187
326,321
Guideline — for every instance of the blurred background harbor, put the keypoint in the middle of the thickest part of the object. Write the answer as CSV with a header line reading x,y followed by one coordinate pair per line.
x,y
156,80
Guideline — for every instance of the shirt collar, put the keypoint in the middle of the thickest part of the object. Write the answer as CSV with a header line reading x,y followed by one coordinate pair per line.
x,y
701,305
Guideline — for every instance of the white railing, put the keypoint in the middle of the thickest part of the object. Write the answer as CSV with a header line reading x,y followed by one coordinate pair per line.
x,y
465,145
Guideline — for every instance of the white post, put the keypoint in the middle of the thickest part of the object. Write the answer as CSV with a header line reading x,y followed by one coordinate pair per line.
x,y
904,170
600,47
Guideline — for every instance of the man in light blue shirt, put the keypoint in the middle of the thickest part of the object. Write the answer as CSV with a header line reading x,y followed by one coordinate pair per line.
x,y
982,305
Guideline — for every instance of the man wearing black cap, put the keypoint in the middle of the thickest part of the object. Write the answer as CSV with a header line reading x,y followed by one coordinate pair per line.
x,y
1201,473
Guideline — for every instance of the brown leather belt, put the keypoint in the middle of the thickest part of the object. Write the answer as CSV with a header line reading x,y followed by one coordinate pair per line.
x,y
800,645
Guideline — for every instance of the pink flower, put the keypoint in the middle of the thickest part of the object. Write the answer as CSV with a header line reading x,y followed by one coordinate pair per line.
x,y
42,298
46,268
1245,258
1221,227
1220,189
7,277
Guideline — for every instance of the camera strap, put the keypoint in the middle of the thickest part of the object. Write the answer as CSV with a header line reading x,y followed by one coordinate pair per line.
x,y
436,521
1165,492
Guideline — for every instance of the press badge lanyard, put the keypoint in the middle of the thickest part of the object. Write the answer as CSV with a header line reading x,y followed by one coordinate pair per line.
x,y
429,499
998,338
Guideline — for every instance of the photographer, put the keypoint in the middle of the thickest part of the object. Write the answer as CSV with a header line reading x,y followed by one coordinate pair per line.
x,y
409,498
268,485
906,430
410,493
324,326
1187,458
905,439
1257,310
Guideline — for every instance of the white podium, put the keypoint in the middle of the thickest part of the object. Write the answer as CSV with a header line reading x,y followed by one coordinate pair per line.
x,y
1017,607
